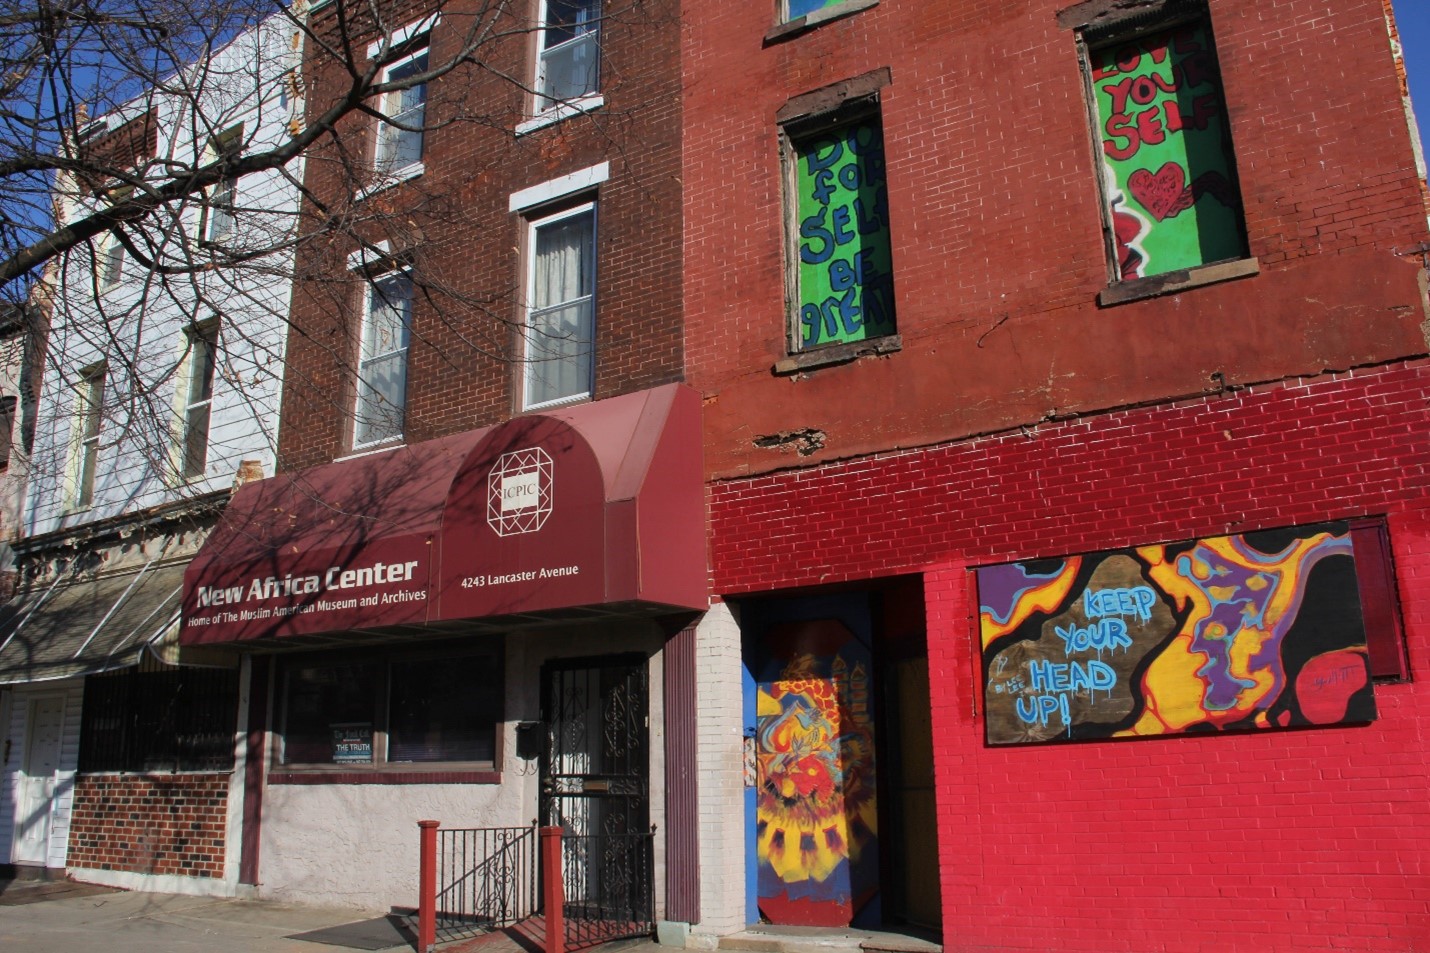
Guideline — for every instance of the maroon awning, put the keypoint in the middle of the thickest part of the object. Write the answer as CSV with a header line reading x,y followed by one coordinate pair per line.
x,y
594,509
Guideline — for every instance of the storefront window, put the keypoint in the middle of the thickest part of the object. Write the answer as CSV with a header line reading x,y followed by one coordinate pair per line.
x,y
392,709
326,705
437,716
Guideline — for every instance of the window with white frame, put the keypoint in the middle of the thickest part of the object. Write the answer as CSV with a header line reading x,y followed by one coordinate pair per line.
x,y
89,414
382,361
399,134
221,208
9,408
222,197
569,64
560,323
111,262
196,389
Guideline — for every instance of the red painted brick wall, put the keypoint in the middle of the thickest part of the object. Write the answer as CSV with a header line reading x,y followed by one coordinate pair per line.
x,y
150,824
994,208
1313,839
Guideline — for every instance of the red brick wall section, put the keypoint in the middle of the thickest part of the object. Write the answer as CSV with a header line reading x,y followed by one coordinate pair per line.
x,y
997,243
1283,840
150,824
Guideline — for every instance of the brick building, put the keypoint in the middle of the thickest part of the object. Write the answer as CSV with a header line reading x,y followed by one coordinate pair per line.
x,y
1065,395
487,528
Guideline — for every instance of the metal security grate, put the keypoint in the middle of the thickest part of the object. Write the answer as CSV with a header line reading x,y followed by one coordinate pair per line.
x,y
486,879
608,882
178,720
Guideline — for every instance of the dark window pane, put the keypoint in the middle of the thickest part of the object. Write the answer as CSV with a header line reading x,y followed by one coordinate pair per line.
x,y
445,709
320,698
181,720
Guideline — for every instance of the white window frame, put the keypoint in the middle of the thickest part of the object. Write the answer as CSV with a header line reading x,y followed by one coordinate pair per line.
x,y
387,133
361,415
551,108
88,423
223,195
529,363
111,263
198,369
222,215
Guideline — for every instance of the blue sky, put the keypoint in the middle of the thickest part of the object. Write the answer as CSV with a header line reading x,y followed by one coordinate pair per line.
x,y
1413,18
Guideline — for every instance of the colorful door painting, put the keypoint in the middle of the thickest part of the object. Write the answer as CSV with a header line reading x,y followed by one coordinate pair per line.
x,y
816,826
1255,631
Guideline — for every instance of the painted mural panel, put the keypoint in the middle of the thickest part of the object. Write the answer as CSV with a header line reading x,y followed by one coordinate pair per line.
x,y
800,8
1166,152
1260,630
816,820
846,272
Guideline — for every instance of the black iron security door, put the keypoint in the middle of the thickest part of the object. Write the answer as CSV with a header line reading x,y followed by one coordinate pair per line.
x,y
595,786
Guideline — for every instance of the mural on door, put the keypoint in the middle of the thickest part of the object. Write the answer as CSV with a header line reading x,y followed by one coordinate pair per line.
x,y
816,823
1254,631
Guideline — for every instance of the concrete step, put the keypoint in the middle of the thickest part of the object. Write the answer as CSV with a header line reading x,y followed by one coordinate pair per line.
x,y
30,873
771,939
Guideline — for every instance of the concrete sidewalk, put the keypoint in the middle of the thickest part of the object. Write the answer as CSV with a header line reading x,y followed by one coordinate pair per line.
x,y
79,918
97,920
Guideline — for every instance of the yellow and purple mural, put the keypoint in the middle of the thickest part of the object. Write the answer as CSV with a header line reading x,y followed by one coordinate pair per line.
x,y
1260,630
816,824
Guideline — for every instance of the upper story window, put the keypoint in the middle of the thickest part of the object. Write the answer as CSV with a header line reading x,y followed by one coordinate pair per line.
x,y
223,197
380,411
89,415
9,407
400,133
221,209
1170,196
196,391
111,262
559,356
840,268
569,66
797,16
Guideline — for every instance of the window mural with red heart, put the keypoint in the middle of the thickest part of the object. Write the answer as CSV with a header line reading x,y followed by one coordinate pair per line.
x,y
1170,180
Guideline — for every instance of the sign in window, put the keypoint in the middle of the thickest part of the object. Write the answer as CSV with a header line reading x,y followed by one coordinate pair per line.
x,y
845,271
1170,179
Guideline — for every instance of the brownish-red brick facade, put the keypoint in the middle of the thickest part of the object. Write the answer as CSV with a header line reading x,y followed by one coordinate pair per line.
x,y
150,824
465,245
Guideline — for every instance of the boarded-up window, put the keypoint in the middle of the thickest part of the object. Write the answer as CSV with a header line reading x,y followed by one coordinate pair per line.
x,y
1170,187
1271,629
843,264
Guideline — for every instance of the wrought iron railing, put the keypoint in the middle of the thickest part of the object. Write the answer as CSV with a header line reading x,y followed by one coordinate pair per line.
x,y
486,879
609,887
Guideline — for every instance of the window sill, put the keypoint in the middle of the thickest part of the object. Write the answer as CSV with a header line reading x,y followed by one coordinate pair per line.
x,y
560,111
553,404
809,21
838,354
384,777
369,449
386,180
1171,282
158,773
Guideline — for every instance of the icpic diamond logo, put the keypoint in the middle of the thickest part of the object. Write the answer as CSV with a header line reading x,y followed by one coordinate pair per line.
x,y
519,492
